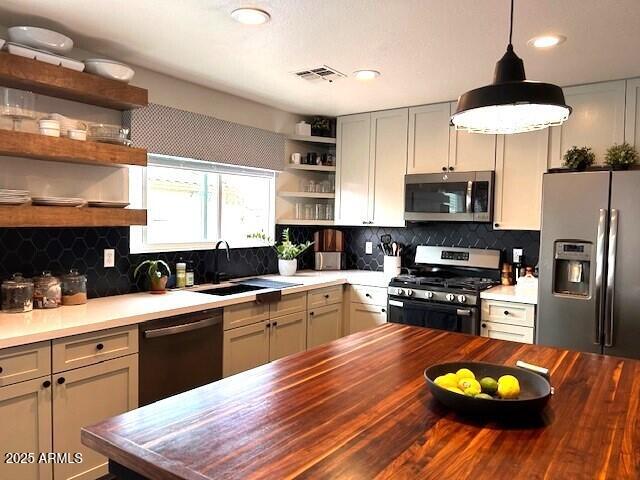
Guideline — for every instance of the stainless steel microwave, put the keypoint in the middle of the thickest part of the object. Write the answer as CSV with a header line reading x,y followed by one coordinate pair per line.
x,y
449,197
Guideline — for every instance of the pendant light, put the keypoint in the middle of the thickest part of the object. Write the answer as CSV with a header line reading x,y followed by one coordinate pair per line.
x,y
511,104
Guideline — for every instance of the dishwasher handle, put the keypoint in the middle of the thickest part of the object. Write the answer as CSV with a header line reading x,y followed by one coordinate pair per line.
x,y
185,327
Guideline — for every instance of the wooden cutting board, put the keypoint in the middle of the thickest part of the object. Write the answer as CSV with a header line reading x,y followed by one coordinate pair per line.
x,y
328,240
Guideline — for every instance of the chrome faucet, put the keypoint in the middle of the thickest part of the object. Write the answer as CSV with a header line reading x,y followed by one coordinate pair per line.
x,y
216,275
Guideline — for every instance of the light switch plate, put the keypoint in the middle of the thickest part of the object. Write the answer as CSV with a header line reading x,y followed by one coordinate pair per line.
x,y
517,255
109,258
368,248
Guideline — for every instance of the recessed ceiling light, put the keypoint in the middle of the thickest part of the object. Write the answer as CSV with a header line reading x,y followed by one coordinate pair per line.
x,y
366,74
546,41
250,16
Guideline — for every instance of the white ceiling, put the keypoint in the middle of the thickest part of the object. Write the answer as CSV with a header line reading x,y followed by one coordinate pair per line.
x,y
427,50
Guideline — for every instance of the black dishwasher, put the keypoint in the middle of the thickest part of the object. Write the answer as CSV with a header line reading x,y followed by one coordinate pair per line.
x,y
179,353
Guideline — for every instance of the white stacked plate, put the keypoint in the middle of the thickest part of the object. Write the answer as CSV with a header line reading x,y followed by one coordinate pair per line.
x,y
107,204
59,201
14,197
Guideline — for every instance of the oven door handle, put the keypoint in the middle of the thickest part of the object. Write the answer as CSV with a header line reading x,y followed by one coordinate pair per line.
x,y
463,312
185,327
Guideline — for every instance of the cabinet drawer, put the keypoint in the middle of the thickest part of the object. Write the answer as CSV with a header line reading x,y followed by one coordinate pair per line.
x,y
245,314
369,295
94,347
25,362
293,303
325,296
508,312
502,331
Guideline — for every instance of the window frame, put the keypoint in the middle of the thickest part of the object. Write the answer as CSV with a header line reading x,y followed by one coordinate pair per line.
x,y
138,198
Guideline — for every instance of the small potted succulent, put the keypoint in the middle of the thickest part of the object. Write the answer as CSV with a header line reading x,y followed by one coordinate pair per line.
x,y
621,156
158,273
579,158
287,251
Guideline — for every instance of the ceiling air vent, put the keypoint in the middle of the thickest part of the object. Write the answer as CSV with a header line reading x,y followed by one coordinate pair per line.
x,y
319,73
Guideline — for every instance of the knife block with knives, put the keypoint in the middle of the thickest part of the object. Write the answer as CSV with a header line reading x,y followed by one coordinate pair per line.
x,y
329,249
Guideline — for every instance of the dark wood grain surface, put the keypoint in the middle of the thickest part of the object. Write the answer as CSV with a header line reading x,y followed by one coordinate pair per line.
x,y
358,408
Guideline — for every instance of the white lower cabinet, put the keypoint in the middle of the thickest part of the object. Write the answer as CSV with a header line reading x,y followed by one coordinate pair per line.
x,y
25,426
245,348
287,335
364,317
503,331
324,324
512,321
85,396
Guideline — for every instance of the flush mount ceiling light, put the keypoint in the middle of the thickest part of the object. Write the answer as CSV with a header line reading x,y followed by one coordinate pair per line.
x,y
250,16
546,41
366,74
511,104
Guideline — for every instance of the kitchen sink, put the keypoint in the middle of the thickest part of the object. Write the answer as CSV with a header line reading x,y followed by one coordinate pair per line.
x,y
232,289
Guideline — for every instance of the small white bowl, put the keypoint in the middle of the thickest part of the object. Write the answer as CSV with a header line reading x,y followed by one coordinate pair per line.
x,y
50,132
50,128
40,38
77,134
109,69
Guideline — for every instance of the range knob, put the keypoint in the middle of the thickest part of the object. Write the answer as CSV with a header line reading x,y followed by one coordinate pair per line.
x,y
398,291
450,297
408,292
428,294
462,299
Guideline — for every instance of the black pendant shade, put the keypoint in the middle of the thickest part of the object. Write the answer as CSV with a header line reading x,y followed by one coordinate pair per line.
x,y
511,104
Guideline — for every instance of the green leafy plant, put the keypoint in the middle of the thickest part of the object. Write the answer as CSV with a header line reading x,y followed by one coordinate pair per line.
x,y
621,155
579,157
320,126
154,269
287,250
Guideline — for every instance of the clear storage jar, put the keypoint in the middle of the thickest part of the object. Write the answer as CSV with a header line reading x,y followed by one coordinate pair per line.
x,y
47,292
17,294
74,288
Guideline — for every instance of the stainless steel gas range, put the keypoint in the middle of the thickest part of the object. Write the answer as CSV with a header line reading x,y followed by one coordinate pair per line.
x,y
444,291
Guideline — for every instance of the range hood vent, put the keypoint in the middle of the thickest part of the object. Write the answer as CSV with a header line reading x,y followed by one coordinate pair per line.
x,y
318,74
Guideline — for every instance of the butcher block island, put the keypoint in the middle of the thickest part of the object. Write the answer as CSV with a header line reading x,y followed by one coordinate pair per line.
x,y
359,408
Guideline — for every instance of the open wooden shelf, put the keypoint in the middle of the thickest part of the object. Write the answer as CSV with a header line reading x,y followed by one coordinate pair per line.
x,y
305,222
61,149
39,216
312,168
307,195
312,139
57,81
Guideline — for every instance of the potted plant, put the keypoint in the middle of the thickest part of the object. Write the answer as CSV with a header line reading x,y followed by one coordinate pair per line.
x,y
321,126
158,272
579,158
287,252
621,156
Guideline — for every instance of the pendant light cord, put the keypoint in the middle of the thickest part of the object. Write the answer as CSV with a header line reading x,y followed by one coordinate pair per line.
x,y
511,24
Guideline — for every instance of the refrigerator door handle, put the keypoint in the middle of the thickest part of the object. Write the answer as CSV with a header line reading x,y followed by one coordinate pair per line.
x,y
611,278
600,257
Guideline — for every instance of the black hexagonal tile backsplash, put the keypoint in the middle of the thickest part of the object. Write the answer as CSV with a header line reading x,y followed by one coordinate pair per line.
x,y
32,250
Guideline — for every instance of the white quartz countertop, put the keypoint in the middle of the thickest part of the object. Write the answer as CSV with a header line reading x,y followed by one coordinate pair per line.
x,y
109,312
512,293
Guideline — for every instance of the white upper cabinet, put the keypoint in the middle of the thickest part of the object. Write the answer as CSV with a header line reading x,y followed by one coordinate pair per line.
x,y
388,167
632,121
470,152
352,173
521,161
429,138
597,120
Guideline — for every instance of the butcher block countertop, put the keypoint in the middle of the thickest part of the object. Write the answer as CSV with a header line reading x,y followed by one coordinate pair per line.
x,y
359,408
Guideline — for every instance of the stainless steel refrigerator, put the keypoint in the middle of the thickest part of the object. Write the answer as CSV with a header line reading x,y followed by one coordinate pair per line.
x,y
589,285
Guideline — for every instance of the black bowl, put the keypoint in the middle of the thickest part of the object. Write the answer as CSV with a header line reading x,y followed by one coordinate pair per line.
x,y
535,390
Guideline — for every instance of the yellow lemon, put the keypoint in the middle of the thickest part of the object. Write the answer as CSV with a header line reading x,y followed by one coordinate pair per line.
x,y
447,380
455,390
465,373
469,386
508,386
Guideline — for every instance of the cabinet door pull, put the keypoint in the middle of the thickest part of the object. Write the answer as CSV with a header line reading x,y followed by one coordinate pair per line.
x,y
451,169
383,310
506,312
326,295
496,225
484,325
99,346
444,169
61,380
368,295
274,324
311,313
46,384
1,370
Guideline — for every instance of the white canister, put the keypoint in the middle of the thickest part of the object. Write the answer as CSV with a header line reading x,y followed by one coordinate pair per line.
x,y
287,268
50,128
392,265
76,134
295,158
303,128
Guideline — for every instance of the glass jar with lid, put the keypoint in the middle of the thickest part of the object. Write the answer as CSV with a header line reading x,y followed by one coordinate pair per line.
x,y
47,292
74,288
17,294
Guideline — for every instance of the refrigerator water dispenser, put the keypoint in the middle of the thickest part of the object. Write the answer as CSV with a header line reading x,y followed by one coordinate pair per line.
x,y
572,264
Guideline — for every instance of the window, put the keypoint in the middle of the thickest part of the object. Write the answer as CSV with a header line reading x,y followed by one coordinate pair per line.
x,y
191,204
